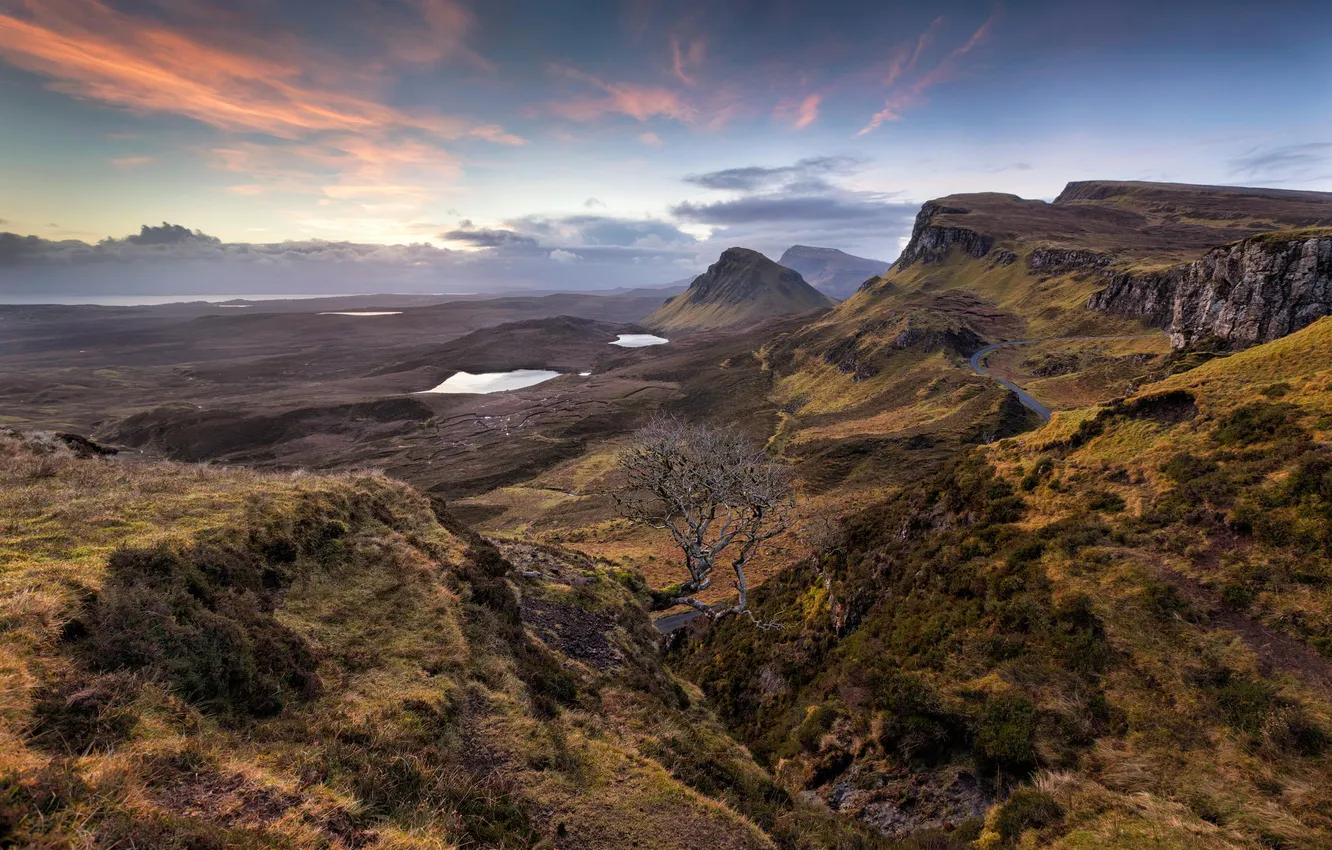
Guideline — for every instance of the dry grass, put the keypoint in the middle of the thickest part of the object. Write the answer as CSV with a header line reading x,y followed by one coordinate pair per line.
x,y
425,734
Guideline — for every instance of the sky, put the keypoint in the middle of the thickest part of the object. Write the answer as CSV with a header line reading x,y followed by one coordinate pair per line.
x,y
461,145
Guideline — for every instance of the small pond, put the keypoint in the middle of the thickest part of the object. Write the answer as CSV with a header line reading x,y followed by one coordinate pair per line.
x,y
639,340
493,382
361,313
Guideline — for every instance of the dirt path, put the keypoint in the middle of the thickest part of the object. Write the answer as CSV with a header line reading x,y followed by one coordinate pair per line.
x,y
1027,400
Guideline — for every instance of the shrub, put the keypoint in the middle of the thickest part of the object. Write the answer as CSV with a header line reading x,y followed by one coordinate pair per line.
x,y
202,620
1004,733
1237,595
79,715
1105,501
1257,422
1275,390
1038,473
1245,703
1163,600
1026,809
1185,467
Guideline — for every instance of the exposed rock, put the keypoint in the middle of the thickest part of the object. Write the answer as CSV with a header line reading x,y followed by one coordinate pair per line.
x,y
931,243
1253,291
576,632
1063,259
962,340
899,804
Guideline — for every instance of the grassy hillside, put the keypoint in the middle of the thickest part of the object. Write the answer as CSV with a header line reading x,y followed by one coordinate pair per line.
x,y
199,657
1114,631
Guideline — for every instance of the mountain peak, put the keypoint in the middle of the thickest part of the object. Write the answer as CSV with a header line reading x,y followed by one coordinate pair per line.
x,y
831,270
743,287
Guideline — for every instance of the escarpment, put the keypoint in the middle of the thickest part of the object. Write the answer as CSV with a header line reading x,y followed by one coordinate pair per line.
x,y
1250,292
931,241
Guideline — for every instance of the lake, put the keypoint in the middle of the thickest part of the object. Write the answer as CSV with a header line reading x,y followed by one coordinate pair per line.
x,y
363,313
639,340
494,382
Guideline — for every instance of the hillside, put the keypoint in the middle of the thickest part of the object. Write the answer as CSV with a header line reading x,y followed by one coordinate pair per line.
x,y
887,367
832,272
742,288
208,658
1112,632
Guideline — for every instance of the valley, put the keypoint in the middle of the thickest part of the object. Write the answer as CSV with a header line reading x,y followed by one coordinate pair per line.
x,y
1057,573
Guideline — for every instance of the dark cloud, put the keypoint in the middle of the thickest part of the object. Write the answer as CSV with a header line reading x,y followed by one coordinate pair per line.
x,y
509,260
487,238
1282,164
806,173
599,230
770,209
169,234
15,249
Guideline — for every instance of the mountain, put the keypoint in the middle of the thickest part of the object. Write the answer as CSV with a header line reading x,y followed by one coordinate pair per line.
x,y
831,271
884,375
1231,264
742,288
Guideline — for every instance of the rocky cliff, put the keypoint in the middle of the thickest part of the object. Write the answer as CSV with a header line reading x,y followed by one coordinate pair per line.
x,y
931,240
1249,292
743,287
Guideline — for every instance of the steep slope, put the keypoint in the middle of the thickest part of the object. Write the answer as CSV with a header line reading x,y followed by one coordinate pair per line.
x,y
831,271
742,288
1255,290
1112,632
209,658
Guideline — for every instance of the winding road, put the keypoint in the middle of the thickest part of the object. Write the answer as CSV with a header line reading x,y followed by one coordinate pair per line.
x,y
1023,396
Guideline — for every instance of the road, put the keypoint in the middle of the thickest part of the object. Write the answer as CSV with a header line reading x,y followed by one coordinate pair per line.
x,y
671,622
1023,396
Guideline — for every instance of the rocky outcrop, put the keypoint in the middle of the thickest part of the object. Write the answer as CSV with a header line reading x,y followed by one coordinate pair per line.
x,y
1251,292
1064,259
931,242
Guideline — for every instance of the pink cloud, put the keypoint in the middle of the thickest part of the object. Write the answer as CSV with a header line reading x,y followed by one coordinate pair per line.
x,y
651,140
238,81
682,61
444,36
130,161
913,93
640,102
801,113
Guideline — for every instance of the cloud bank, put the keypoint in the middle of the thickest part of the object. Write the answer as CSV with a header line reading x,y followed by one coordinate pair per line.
x,y
764,207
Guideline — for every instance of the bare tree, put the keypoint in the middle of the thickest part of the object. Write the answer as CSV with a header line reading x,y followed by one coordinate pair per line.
x,y
717,494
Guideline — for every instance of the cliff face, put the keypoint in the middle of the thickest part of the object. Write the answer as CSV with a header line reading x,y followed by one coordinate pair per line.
x,y
930,241
1251,292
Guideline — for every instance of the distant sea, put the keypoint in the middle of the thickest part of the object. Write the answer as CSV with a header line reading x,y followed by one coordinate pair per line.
x,y
155,300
